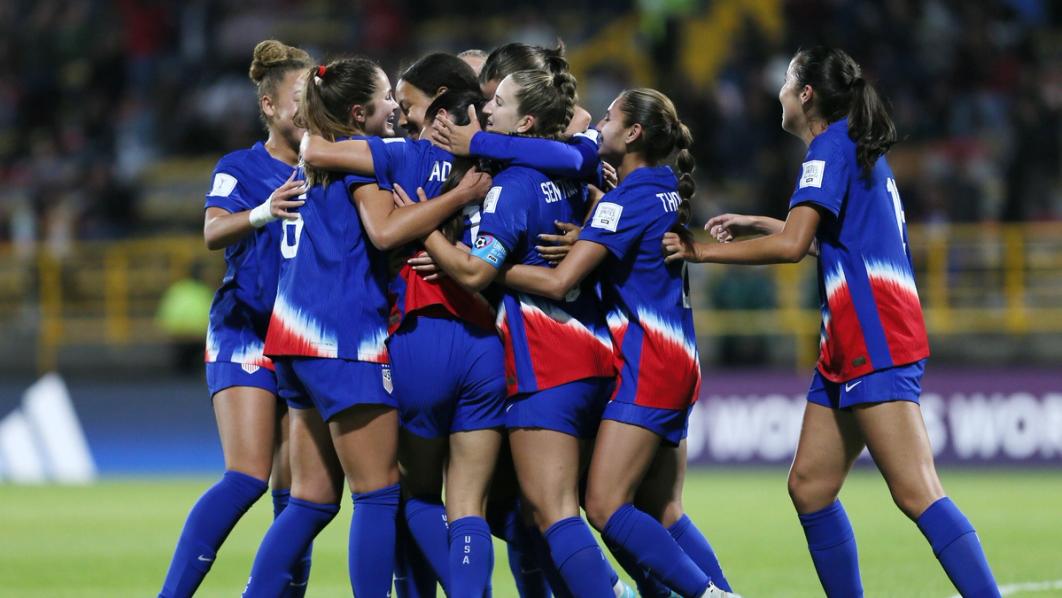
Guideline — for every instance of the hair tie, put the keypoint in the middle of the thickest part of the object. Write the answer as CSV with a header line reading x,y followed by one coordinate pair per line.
x,y
321,70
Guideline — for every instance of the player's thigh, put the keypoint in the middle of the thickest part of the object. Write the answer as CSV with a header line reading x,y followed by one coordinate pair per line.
x,y
622,455
830,442
316,474
547,468
422,462
246,417
473,456
366,440
660,493
896,436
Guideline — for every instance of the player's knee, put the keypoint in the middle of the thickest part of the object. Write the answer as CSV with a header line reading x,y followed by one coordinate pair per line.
x,y
811,493
914,501
670,514
373,480
258,468
600,506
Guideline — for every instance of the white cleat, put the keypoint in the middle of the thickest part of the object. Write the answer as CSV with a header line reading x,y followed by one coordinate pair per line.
x,y
714,592
623,590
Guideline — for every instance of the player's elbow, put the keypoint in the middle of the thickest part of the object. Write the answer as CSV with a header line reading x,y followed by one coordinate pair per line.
x,y
793,251
383,238
212,239
556,290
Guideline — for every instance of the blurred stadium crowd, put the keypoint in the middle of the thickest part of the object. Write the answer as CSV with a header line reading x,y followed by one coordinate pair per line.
x,y
95,94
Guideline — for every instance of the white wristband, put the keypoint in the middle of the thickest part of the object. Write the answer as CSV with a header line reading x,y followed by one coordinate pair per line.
x,y
261,216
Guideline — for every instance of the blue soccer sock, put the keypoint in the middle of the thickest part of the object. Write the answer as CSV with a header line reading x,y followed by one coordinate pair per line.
x,y
300,575
648,585
579,559
653,548
426,518
696,546
471,557
413,575
285,544
527,572
371,552
208,524
956,546
540,548
833,550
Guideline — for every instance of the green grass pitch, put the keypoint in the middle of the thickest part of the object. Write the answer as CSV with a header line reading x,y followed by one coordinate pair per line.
x,y
115,538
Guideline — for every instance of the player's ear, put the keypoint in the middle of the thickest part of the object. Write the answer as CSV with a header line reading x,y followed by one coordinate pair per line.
x,y
267,106
525,124
357,114
438,92
634,133
807,95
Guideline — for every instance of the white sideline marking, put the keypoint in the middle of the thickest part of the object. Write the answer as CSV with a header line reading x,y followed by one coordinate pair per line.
x,y
1027,586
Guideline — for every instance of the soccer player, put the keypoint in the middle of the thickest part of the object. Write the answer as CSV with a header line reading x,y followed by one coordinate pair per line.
x,y
873,345
638,444
558,357
241,210
447,360
425,80
327,334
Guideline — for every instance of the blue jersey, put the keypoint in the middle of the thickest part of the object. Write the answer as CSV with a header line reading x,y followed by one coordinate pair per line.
x,y
412,164
547,343
871,315
649,313
332,295
240,312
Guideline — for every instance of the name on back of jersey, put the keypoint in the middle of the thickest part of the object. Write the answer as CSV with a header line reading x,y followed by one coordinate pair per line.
x,y
440,170
669,201
554,192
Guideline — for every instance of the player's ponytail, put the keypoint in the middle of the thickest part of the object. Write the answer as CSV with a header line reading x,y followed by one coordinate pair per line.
x,y
549,95
663,133
271,62
331,91
842,91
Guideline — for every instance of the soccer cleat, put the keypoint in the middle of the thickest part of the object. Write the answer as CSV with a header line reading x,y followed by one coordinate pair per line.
x,y
623,590
714,592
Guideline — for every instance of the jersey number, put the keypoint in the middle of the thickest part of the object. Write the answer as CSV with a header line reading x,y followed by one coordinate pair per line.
x,y
289,243
472,213
897,207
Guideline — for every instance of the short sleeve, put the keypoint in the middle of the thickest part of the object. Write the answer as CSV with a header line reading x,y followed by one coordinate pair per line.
x,y
226,192
354,180
616,224
388,159
823,176
504,213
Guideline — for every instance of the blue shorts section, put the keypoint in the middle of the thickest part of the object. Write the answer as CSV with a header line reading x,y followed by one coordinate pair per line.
x,y
225,374
901,383
449,376
669,424
574,408
332,385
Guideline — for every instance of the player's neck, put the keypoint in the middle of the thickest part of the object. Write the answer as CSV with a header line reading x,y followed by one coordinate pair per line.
x,y
281,150
630,163
816,127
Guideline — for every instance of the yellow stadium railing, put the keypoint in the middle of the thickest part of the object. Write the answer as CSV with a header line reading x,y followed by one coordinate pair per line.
x,y
973,279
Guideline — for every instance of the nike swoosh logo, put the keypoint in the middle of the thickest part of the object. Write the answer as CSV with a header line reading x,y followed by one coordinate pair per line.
x,y
849,387
205,559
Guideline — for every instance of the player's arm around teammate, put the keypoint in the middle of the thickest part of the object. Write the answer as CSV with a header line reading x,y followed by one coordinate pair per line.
x,y
242,384
873,341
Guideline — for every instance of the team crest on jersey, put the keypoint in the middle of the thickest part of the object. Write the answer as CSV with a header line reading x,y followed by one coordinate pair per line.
x,y
250,368
223,185
388,384
607,216
811,176
490,202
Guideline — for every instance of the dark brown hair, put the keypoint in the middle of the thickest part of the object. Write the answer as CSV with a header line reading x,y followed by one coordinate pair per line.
x,y
510,58
841,91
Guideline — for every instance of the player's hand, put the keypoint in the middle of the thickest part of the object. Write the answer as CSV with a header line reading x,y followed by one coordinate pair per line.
x,y
424,266
678,247
402,199
475,184
725,227
560,244
608,173
280,201
457,139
